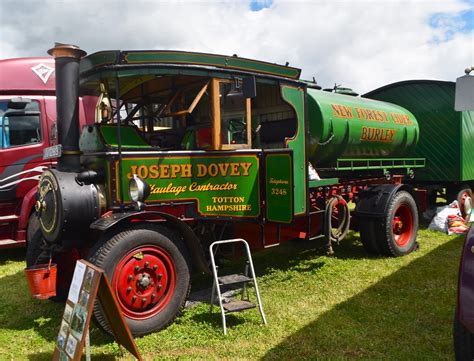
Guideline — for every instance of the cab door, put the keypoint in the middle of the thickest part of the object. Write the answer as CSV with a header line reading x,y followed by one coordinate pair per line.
x,y
23,136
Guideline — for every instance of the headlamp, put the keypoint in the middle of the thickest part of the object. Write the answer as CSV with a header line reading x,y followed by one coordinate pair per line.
x,y
138,189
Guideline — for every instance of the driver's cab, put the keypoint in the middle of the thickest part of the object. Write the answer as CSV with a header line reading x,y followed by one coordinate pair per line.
x,y
183,112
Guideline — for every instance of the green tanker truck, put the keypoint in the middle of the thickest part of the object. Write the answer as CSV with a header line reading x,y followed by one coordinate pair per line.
x,y
447,142
190,148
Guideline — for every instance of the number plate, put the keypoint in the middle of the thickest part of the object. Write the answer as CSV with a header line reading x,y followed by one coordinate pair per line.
x,y
52,152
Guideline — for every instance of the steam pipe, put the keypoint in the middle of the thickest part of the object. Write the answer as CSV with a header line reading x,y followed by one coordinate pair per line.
x,y
66,59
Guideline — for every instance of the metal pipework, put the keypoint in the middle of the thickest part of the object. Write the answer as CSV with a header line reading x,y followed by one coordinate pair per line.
x,y
67,58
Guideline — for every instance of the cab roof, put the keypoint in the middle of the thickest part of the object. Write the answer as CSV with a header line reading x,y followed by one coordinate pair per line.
x,y
23,76
126,64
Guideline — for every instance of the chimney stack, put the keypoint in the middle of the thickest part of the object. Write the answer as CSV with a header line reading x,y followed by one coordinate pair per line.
x,y
67,58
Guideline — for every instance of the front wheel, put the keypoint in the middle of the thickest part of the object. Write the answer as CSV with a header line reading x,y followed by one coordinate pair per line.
x,y
149,274
463,341
396,234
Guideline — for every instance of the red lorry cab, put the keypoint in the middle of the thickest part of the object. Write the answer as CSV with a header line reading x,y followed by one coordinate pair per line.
x,y
27,126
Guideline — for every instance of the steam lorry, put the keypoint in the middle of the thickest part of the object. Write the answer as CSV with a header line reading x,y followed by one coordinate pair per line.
x,y
188,148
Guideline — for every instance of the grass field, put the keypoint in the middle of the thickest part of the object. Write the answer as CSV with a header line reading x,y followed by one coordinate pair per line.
x,y
317,307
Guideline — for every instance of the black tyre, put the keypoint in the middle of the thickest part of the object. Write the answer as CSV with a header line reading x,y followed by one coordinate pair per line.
x,y
396,233
149,275
34,243
367,236
463,341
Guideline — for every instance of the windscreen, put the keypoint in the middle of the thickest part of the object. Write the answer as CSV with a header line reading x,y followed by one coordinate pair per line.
x,y
19,126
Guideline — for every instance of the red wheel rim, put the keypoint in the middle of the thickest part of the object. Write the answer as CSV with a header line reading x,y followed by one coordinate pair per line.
x,y
144,282
466,203
402,225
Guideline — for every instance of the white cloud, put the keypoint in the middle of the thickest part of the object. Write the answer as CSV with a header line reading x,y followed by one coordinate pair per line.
x,y
361,44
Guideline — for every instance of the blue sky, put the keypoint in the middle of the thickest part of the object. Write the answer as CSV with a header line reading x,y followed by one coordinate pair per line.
x,y
256,5
361,44
452,23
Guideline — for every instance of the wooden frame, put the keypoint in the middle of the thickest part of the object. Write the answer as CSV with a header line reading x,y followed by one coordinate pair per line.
x,y
193,104
216,119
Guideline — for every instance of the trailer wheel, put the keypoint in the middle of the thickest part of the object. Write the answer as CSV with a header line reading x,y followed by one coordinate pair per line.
x,y
464,198
463,341
367,236
149,276
396,234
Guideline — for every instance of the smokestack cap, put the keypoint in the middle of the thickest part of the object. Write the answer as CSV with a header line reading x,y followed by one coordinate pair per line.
x,y
66,51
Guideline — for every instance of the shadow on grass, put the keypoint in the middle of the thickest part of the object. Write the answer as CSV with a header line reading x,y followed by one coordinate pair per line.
x,y
387,320
12,254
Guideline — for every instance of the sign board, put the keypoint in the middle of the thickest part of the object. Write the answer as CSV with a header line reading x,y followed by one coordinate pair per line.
x,y
464,93
224,185
89,284
52,152
279,186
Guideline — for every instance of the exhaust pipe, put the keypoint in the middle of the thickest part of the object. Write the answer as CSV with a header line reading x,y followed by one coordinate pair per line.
x,y
66,59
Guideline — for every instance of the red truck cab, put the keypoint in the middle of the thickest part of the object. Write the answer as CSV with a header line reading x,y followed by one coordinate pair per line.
x,y
27,127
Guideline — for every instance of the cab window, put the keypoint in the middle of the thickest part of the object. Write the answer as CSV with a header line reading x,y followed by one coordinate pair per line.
x,y
20,123
234,116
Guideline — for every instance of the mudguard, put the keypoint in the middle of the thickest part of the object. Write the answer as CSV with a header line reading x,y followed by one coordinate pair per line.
x,y
466,283
192,241
374,201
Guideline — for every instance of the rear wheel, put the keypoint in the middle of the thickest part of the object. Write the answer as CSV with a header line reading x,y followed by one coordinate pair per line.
x,y
464,197
463,341
367,236
396,234
149,274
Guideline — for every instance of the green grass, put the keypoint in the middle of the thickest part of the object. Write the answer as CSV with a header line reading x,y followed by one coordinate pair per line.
x,y
317,307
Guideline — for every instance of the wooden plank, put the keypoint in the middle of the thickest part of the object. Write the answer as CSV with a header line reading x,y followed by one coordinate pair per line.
x,y
216,115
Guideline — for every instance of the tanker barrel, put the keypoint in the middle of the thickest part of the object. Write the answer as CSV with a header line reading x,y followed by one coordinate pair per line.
x,y
349,127
67,58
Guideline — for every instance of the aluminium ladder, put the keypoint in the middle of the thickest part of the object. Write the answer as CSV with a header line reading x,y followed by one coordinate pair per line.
x,y
234,279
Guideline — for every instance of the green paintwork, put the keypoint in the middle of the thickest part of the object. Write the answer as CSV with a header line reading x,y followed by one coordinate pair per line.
x,y
382,163
279,187
189,58
225,185
467,146
98,59
343,126
102,137
130,137
323,182
296,98
447,136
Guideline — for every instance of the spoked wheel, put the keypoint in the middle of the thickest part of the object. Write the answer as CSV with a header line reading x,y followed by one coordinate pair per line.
x,y
396,234
150,277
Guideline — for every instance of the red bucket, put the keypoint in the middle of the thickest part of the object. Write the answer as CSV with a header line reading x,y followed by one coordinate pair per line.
x,y
41,280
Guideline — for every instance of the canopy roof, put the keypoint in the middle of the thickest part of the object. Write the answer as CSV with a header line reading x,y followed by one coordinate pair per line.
x,y
146,64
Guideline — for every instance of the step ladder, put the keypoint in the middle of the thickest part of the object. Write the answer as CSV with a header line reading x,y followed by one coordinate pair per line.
x,y
234,279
